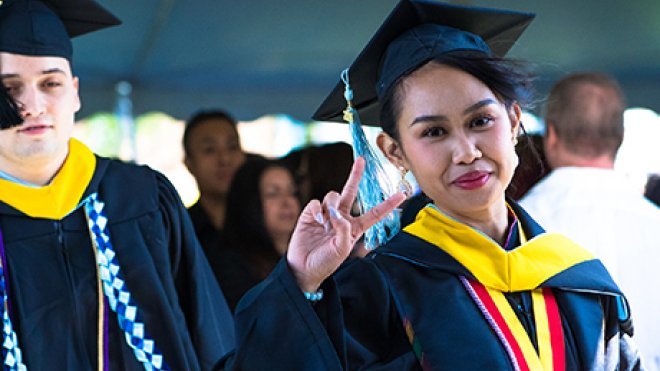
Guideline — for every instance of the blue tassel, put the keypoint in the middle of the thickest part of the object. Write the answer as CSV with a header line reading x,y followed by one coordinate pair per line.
x,y
374,179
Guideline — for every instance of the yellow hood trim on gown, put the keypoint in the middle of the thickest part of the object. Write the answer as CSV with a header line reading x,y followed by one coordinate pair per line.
x,y
523,268
59,198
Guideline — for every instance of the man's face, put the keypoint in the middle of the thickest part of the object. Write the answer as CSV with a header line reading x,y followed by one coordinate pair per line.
x,y
215,155
47,94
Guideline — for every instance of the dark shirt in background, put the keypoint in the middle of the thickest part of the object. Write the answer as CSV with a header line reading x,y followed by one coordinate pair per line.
x,y
228,266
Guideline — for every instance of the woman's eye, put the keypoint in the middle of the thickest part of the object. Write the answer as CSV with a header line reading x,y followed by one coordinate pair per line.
x,y
272,194
481,121
433,132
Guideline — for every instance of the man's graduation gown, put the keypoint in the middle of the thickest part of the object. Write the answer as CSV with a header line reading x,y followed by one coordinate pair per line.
x,y
52,282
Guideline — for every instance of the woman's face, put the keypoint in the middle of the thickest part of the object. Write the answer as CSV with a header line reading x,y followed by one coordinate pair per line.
x,y
280,203
456,136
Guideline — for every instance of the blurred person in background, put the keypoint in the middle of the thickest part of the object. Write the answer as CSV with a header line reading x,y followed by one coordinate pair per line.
x,y
213,153
584,198
262,210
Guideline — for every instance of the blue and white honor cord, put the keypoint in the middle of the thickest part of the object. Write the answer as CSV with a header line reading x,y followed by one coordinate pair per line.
x,y
114,287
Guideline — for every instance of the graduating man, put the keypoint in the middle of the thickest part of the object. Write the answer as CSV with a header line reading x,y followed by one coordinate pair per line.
x,y
100,266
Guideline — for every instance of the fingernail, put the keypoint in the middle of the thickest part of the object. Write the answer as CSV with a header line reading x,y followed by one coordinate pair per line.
x,y
334,213
319,218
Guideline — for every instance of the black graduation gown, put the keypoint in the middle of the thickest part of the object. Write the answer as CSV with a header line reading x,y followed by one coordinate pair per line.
x,y
53,284
231,270
209,237
53,288
412,281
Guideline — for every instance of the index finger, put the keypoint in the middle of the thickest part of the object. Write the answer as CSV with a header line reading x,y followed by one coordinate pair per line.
x,y
379,211
350,190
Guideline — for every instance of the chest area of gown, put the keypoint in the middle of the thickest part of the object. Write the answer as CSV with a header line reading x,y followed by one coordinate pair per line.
x,y
53,262
440,319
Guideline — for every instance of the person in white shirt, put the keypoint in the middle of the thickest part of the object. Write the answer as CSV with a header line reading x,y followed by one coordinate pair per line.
x,y
584,198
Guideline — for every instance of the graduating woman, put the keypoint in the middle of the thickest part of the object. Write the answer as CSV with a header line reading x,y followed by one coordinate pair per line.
x,y
474,283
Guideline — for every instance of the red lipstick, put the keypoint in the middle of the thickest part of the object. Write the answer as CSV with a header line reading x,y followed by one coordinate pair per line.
x,y
472,180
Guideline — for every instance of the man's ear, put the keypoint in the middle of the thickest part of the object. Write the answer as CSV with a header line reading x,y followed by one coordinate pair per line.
x,y
76,87
550,138
392,150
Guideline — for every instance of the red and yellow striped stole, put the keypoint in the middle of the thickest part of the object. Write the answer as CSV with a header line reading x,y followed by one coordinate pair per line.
x,y
514,338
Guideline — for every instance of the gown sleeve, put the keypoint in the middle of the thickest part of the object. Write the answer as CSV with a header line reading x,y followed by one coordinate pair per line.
x,y
278,329
374,332
354,327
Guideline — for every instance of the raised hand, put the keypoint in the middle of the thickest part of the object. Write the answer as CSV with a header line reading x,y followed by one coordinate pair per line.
x,y
326,232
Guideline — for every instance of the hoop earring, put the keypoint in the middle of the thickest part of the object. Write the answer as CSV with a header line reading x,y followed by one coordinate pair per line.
x,y
404,184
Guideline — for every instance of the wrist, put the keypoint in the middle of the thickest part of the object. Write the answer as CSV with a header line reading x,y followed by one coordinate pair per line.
x,y
314,296
304,282
309,287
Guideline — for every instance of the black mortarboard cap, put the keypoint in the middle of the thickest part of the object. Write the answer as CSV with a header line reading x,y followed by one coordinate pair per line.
x,y
45,28
414,33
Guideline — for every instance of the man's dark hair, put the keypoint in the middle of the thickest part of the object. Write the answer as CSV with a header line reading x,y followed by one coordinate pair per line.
x,y
202,116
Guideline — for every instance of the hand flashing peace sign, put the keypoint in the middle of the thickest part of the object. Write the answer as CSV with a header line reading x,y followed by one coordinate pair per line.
x,y
326,232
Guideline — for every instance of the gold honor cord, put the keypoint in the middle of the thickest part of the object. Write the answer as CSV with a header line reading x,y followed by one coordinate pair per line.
x,y
100,304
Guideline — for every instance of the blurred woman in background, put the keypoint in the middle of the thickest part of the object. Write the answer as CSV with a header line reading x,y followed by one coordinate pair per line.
x,y
262,209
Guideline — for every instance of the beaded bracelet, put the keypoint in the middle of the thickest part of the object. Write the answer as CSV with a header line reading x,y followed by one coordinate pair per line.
x,y
314,296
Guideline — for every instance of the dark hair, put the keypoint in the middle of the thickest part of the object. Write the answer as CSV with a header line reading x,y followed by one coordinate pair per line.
x,y
320,169
507,78
588,124
652,190
202,116
532,168
245,230
9,110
